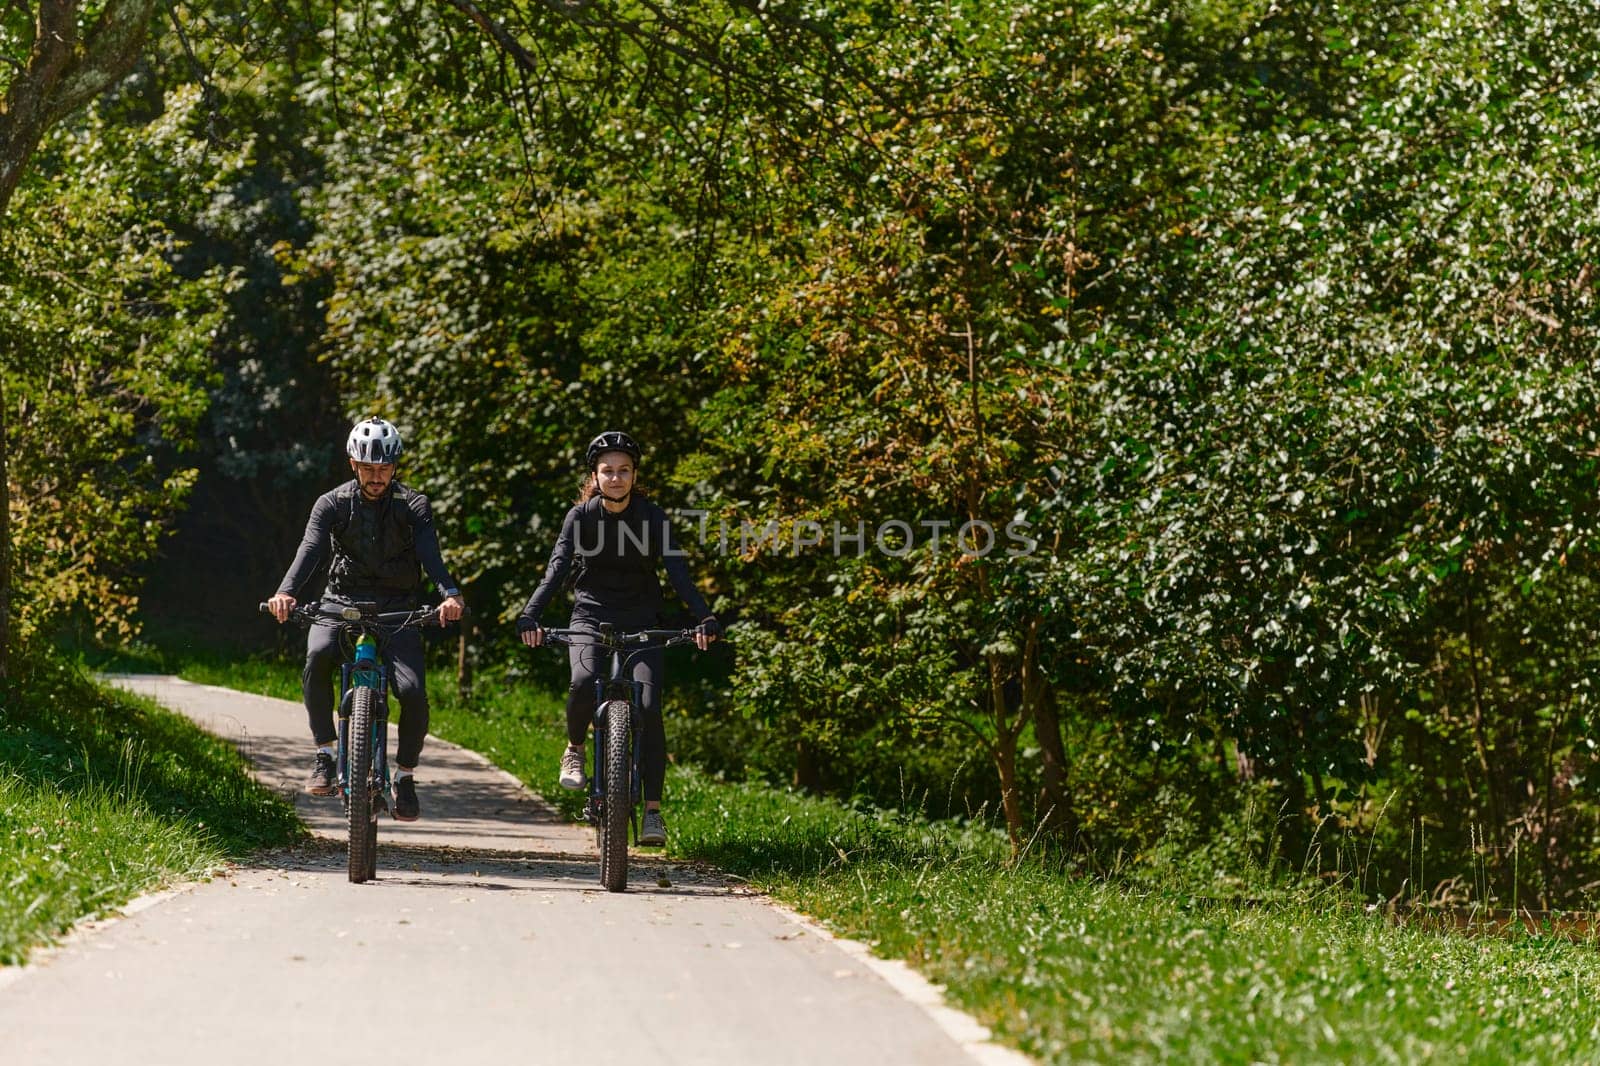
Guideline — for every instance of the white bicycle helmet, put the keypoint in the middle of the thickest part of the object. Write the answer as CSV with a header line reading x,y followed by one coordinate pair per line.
x,y
373,441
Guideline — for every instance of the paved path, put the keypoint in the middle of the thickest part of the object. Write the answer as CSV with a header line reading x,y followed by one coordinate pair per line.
x,y
485,937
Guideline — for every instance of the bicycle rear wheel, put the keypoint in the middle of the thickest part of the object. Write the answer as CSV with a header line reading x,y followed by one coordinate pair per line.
x,y
363,825
618,718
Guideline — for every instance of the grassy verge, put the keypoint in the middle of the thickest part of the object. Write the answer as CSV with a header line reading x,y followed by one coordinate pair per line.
x,y
1081,970
103,796
264,675
1085,970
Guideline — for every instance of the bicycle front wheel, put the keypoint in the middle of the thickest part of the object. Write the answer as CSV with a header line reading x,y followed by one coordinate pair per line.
x,y
372,847
618,798
362,824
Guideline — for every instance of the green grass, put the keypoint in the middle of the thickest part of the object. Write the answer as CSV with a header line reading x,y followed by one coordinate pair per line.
x,y
104,795
263,675
1084,970
1075,969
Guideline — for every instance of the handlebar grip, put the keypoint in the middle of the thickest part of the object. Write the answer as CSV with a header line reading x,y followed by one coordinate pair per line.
x,y
265,607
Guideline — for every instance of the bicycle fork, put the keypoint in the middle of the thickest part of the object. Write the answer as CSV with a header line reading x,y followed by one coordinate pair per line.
x,y
366,672
599,788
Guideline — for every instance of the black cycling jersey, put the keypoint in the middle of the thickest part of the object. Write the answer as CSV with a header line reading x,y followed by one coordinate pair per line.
x,y
615,557
376,545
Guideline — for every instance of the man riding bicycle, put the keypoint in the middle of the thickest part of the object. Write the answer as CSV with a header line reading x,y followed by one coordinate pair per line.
x,y
378,532
616,539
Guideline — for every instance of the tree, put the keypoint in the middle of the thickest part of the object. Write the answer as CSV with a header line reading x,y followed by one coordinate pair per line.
x,y
566,65
61,57
106,350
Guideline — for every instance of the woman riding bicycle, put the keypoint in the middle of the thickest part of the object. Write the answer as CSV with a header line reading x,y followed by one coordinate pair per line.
x,y
616,539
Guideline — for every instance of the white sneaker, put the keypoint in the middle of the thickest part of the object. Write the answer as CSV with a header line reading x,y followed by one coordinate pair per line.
x,y
652,831
572,776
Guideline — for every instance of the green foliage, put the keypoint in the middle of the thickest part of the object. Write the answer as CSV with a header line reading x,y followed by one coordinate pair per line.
x,y
104,348
1272,325
1323,497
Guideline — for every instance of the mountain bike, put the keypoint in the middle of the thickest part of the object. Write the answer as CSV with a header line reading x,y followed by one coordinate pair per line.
x,y
363,756
615,789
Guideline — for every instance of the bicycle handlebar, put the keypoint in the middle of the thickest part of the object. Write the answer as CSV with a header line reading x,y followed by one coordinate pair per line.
x,y
314,614
641,637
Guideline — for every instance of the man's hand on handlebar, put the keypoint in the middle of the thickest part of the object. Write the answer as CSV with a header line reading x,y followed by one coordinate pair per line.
x,y
531,635
451,609
280,605
706,632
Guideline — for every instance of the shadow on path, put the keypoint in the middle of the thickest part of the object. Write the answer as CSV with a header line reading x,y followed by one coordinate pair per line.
x,y
438,866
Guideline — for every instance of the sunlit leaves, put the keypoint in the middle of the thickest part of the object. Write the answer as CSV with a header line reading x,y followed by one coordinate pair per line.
x,y
106,356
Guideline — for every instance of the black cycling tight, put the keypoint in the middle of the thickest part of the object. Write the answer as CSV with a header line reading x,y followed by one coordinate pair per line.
x,y
590,662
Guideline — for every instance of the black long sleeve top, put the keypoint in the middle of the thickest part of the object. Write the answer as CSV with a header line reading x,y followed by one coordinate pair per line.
x,y
376,545
615,557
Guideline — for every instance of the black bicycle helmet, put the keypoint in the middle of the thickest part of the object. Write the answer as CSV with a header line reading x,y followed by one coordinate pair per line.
x,y
612,440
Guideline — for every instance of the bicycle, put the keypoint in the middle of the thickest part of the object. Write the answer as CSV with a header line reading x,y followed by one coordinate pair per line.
x,y
363,716
616,751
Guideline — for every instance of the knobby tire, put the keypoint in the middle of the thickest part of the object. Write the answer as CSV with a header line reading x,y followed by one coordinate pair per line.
x,y
372,848
618,797
363,826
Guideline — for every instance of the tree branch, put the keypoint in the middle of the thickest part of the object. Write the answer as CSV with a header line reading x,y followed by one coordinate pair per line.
x,y
110,48
207,87
1549,322
502,37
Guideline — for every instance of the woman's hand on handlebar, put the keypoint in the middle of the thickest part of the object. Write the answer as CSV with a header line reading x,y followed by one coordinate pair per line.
x,y
706,632
533,637
280,605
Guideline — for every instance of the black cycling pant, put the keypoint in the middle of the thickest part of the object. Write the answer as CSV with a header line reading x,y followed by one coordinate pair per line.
x,y
402,653
590,663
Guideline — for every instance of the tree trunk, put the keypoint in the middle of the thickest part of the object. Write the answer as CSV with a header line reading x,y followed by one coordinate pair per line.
x,y
1039,707
1297,832
1005,761
1007,727
1054,800
25,113
807,770
64,73
1480,736
5,547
